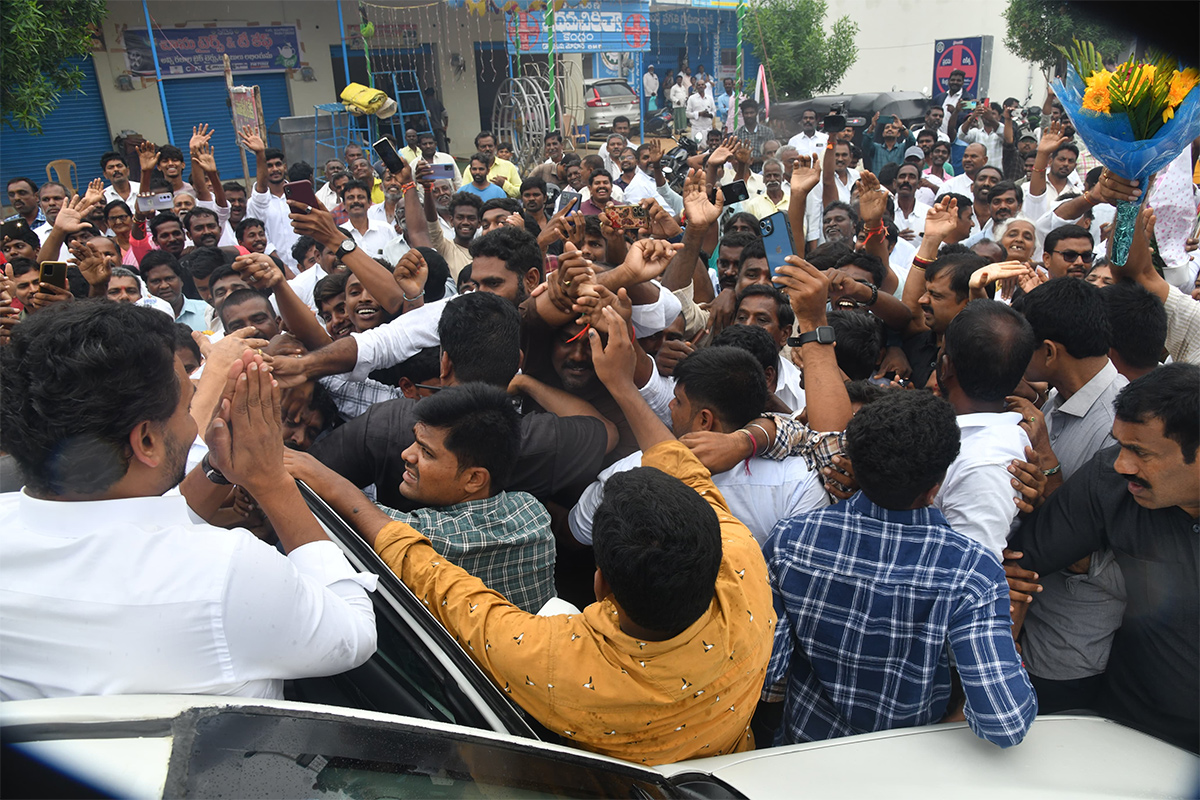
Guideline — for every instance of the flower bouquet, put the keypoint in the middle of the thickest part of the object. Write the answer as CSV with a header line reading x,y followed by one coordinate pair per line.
x,y
1135,119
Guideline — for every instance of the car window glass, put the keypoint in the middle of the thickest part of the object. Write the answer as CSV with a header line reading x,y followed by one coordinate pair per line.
x,y
613,90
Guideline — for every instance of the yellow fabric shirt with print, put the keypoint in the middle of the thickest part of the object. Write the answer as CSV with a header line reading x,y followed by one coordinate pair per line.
x,y
582,677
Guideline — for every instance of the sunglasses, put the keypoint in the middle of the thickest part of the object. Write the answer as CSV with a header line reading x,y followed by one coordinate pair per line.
x,y
1070,255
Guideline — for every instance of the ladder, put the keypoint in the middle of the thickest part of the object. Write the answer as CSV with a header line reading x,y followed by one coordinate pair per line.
x,y
344,127
412,112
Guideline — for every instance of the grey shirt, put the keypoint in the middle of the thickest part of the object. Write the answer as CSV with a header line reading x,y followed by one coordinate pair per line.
x,y
1069,629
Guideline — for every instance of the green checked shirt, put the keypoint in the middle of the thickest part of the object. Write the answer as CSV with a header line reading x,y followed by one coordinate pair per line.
x,y
505,541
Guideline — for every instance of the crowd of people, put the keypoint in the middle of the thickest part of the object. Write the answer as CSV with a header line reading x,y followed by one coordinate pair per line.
x,y
677,488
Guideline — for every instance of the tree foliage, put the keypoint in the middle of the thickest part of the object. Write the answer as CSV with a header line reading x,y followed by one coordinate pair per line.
x,y
802,59
37,40
1037,28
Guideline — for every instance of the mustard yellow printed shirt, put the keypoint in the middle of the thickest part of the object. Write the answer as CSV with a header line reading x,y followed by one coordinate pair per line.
x,y
512,176
583,678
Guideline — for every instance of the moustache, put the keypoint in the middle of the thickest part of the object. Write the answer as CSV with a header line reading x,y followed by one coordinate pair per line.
x,y
1145,484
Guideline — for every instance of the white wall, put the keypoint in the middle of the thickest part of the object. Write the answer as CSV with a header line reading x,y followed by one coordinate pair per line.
x,y
895,45
140,110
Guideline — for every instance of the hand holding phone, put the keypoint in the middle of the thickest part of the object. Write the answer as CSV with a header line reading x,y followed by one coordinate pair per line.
x,y
388,155
627,217
54,273
734,192
442,171
301,192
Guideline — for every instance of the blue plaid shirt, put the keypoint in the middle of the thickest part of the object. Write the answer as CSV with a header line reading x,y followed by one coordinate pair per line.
x,y
868,600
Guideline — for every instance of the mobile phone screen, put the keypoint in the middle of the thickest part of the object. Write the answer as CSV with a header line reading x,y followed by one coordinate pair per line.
x,y
734,192
388,155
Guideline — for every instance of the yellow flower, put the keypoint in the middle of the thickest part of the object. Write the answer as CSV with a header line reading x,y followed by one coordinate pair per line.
x,y
1181,84
1096,97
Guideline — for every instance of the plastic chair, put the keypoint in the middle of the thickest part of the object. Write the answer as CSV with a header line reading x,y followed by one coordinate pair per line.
x,y
581,135
65,172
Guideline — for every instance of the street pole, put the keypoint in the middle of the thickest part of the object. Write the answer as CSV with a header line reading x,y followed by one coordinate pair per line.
x,y
552,117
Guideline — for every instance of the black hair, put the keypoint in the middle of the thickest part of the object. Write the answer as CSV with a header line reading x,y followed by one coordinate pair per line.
x,y
827,256
728,381
26,235
755,249
1065,232
594,161
481,334
508,204
425,135
159,258
860,339
746,217
480,157
964,203
901,445
239,296
201,261
482,427
1138,322
754,340
550,135
739,240
303,245
599,173
839,205
355,183
198,211
864,261
171,152
329,287
422,367
504,146
989,346
248,222
1169,393
109,206
104,368
21,265
1006,186
300,171
888,173
466,199
11,181
961,267
1072,313
111,155
439,273
863,392
162,218
533,182
1070,146
233,186
184,341
658,545
77,285
783,308
484,135
517,248
273,153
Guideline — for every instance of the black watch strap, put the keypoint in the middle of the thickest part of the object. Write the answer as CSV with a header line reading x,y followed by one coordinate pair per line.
x,y
822,335
212,473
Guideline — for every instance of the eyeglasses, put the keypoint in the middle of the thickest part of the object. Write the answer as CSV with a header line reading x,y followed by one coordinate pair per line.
x,y
1070,255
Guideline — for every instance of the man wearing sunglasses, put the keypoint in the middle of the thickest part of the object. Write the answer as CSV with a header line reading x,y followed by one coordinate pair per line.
x,y
1067,252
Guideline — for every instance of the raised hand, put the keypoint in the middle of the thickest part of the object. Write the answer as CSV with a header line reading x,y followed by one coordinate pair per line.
x,y
249,138
411,273
260,271
981,277
806,174
94,193
147,156
661,224
942,219
93,265
204,157
647,258
245,436
70,217
807,288
422,173
872,198
614,362
200,136
697,208
316,222
724,152
1052,137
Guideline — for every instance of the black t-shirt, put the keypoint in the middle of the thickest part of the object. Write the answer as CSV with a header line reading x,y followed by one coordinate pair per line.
x,y
559,455
1152,682
921,350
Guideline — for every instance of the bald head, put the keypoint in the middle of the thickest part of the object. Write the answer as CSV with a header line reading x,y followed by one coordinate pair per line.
x,y
974,157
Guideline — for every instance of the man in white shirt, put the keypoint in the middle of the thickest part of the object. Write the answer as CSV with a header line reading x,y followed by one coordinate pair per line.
x,y
701,111
431,155
809,141
934,116
982,126
974,158
267,201
678,97
327,194
110,583
113,165
722,389
369,234
984,354
910,213
649,83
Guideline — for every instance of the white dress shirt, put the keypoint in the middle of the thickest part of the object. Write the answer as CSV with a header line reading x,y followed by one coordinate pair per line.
x,y
138,596
992,142
915,221
678,95
110,194
958,184
650,84
328,196
977,497
809,145
787,385
760,493
273,211
304,283
701,125
641,187
376,237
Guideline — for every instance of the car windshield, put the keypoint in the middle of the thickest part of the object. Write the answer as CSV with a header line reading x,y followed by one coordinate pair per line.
x,y
613,90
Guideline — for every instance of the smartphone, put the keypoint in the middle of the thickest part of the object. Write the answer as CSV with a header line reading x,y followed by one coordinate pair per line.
x,y
163,201
735,192
777,239
565,197
834,123
54,272
627,217
388,155
970,105
442,171
301,192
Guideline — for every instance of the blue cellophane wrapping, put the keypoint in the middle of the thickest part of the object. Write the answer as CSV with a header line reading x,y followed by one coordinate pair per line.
x,y
1109,137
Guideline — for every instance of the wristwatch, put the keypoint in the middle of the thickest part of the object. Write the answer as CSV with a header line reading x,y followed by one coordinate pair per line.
x,y
822,335
212,473
347,246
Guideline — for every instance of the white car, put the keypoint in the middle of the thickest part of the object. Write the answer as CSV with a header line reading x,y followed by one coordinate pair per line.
x,y
420,719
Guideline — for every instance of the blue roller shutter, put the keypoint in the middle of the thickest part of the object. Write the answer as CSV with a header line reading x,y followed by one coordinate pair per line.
x,y
77,130
192,101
